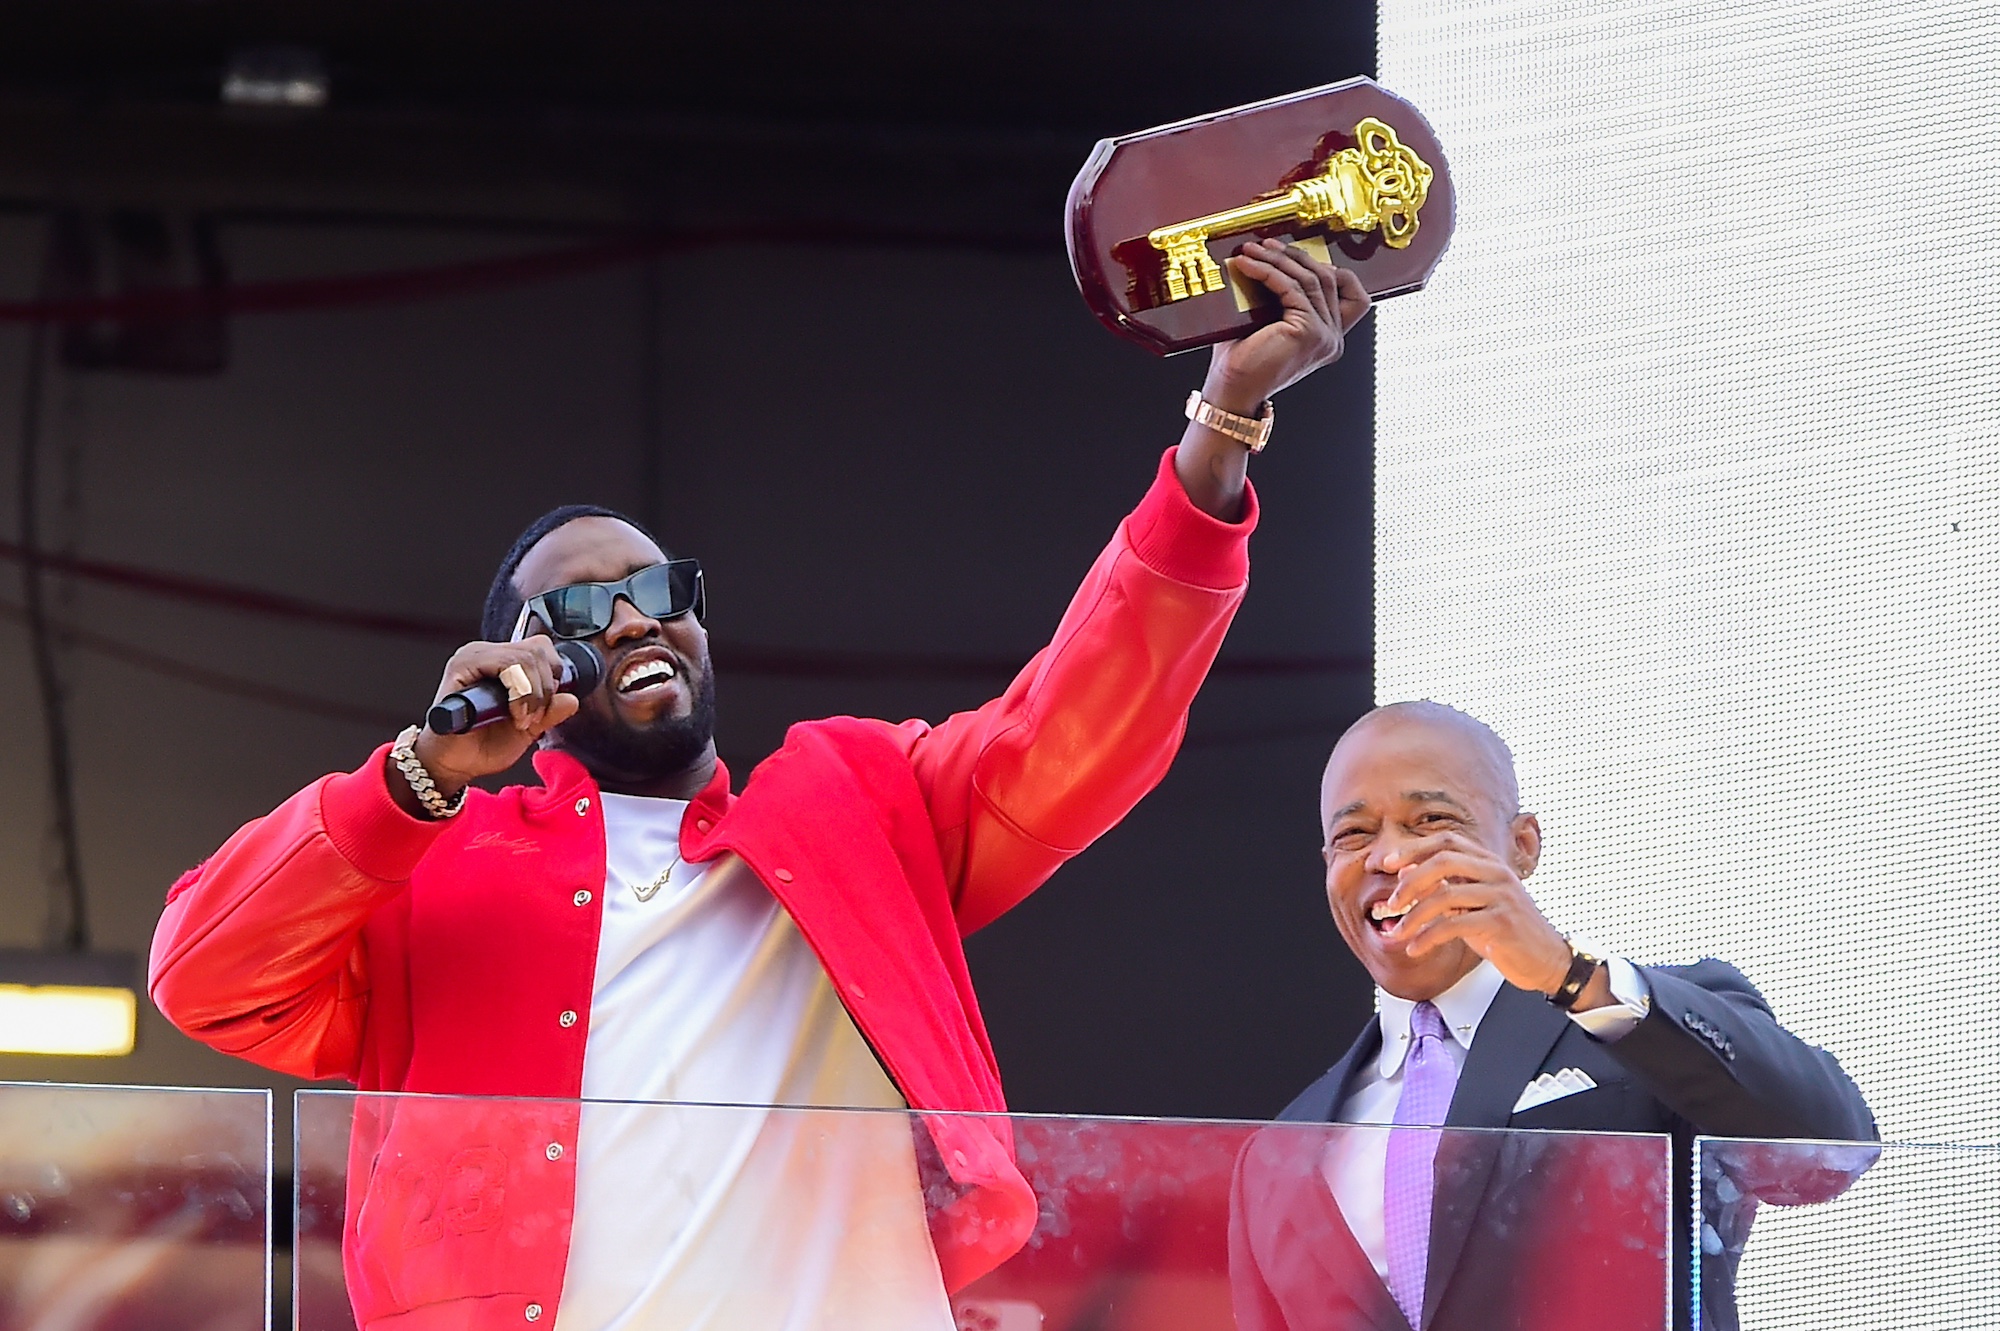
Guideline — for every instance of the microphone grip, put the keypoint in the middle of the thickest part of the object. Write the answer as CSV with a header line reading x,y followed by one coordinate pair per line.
x,y
474,705
485,701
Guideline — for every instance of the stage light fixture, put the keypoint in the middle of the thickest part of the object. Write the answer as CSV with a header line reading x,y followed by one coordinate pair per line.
x,y
276,76
84,1004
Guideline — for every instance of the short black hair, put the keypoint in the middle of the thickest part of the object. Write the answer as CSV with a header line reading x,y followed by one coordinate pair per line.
x,y
503,600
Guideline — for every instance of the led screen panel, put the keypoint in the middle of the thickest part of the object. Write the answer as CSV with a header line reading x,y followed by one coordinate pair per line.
x,y
1688,480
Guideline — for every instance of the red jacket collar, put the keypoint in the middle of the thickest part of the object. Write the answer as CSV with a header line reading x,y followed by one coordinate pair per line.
x,y
564,778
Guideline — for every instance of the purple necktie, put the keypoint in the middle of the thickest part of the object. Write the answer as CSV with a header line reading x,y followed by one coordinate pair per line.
x,y
1428,1078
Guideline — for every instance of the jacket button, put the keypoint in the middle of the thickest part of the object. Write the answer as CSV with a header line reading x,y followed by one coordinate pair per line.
x,y
860,994
555,1151
566,1020
582,807
701,824
582,898
534,1312
783,875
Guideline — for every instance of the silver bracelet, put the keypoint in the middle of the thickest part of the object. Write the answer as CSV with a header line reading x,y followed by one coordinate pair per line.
x,y
404,755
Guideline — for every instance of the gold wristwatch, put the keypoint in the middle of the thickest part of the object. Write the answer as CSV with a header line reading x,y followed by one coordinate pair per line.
x,y
1254,431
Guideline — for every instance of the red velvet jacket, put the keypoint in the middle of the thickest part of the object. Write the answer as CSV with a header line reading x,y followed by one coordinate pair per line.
x,y
339,937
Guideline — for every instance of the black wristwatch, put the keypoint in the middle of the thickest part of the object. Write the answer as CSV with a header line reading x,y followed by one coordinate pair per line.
x,y
1581,967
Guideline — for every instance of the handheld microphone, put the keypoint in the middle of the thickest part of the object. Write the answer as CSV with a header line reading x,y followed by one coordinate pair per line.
x,y
478,704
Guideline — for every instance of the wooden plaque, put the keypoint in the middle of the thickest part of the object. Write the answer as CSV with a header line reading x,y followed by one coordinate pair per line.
x,y
1315,168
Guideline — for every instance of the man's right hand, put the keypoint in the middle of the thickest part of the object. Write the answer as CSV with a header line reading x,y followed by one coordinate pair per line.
x,y
456,761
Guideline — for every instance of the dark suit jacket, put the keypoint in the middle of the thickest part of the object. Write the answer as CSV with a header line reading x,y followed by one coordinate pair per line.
x,y
1528,1231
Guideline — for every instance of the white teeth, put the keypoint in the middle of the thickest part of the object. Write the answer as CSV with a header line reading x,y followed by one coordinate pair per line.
x,y
1380,911
645,673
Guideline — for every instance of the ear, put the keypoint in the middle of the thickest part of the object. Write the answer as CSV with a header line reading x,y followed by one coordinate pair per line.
x,y
1525,848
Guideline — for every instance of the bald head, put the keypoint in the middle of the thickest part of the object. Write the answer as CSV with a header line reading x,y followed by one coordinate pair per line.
x,y
1487,762
1415,779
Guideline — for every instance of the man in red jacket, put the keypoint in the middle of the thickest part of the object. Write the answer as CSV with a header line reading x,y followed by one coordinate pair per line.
x,y
630,931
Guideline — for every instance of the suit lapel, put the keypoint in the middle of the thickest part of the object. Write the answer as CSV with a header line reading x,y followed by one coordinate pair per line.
x,y
1350,1268
1513,1042
1341,1258
1321,1101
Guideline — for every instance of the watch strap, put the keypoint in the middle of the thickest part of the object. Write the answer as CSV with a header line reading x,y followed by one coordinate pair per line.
x,y
1253,431
1582,965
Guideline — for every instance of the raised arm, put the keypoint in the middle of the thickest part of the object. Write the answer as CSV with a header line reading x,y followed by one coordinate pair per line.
x,y
1320,305
1025,782
1021,784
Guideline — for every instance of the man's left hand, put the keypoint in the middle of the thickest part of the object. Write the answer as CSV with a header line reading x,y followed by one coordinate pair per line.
x,y
1463,891
1321,304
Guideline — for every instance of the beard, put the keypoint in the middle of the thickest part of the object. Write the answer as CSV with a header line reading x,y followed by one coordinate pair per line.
x,y
611,749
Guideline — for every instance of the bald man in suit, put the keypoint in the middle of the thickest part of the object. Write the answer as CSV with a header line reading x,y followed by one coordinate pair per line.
x,y
1489,1017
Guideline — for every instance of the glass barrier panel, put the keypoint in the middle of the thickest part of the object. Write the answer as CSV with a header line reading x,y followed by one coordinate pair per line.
x,y
1848,1235
440,1211
134,1207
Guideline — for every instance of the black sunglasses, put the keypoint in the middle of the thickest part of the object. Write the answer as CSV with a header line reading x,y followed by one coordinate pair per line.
x,y
584,609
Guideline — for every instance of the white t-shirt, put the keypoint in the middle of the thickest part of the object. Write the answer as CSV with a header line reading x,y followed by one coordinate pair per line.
x,y
694,1217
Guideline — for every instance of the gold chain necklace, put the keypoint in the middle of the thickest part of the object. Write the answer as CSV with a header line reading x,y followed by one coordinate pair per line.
x,y
652,889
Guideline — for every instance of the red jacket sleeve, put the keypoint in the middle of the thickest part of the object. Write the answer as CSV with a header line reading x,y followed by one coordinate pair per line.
x,y
260,951
1250,1295
1093,722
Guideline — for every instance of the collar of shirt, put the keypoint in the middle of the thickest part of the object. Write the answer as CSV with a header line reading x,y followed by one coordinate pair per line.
x,y
1463,1007
652,808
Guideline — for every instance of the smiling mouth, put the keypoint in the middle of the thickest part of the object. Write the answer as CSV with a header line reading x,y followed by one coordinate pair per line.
x,y
642,676
1384,921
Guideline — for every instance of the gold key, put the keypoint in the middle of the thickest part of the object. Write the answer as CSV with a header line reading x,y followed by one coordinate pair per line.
x,y
1376,183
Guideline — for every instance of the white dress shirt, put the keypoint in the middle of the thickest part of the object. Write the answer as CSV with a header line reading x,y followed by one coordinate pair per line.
x,y
1356,1159
691,1217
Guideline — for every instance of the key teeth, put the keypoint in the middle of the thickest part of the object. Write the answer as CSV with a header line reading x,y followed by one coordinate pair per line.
x,y
1192,275
1190,271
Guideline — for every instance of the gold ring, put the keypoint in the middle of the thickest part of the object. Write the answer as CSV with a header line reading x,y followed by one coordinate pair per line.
x,y
518,684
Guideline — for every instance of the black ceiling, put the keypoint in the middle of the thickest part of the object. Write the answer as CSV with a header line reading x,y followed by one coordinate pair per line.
x,y
594,112
1094,66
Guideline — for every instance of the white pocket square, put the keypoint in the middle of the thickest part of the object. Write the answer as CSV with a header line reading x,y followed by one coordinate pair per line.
x,y
1553,1086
